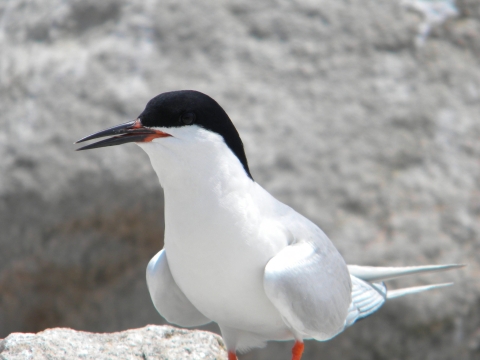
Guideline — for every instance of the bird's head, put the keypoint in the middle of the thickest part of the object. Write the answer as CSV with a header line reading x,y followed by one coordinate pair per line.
x,y
180,118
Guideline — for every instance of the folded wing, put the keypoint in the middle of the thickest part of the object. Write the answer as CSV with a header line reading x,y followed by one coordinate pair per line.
x,y
310,287
167,297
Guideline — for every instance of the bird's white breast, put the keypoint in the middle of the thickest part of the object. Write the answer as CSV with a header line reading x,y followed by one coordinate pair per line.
x,y
221,229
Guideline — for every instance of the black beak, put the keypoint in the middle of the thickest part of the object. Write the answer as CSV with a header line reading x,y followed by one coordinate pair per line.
x,y
132,131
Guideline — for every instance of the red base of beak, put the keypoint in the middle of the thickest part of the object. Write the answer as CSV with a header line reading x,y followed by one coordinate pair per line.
x,y
132,131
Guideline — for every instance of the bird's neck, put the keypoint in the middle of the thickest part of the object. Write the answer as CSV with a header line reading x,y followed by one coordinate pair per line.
x,y
199,176
208,198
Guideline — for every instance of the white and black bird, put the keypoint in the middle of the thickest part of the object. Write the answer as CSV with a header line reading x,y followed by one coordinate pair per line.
x,y
233,253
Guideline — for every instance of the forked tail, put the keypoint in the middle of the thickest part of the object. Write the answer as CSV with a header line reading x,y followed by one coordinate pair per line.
x,y
369,292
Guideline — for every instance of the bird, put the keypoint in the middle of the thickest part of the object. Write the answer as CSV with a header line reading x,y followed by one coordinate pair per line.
x,y
233,254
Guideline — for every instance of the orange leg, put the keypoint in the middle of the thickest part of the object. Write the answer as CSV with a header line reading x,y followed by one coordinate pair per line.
x,y
297,350
232,355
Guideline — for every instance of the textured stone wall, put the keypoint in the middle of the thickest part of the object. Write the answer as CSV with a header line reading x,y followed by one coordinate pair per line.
x,y
343,117
150,342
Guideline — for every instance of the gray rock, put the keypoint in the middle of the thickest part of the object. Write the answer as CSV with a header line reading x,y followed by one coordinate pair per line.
x,y
151,342
343,118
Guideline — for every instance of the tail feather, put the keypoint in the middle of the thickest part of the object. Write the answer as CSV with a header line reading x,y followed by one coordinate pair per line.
x,y
373,273
367,298
369,292
392,294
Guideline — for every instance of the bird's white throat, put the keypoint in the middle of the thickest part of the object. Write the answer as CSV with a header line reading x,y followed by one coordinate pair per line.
x,y
195,158
205,185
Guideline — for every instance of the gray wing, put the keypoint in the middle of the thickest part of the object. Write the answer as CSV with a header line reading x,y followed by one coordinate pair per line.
x,y
167,297
367,298
309,284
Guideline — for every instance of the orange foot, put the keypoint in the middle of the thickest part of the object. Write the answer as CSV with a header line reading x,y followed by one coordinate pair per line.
x,y
297,350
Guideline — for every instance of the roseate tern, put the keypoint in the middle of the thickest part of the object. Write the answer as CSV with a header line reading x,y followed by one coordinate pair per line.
x,y
234,254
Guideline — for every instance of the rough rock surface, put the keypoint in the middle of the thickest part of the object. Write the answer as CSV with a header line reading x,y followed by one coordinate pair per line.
x,y
343,118
151,342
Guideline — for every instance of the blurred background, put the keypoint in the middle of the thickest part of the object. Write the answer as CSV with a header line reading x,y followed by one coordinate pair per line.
x,y
362,115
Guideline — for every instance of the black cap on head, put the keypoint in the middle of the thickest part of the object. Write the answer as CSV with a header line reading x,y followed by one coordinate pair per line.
x,y
188,107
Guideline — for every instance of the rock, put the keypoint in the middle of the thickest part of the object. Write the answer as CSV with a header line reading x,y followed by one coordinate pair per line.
x,y
151,342
342,116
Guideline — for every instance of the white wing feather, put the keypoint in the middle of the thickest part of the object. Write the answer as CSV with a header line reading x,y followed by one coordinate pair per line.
x,y
310,287
167,297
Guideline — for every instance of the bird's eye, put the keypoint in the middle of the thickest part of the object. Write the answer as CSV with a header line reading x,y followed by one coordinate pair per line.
x,y
188,118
